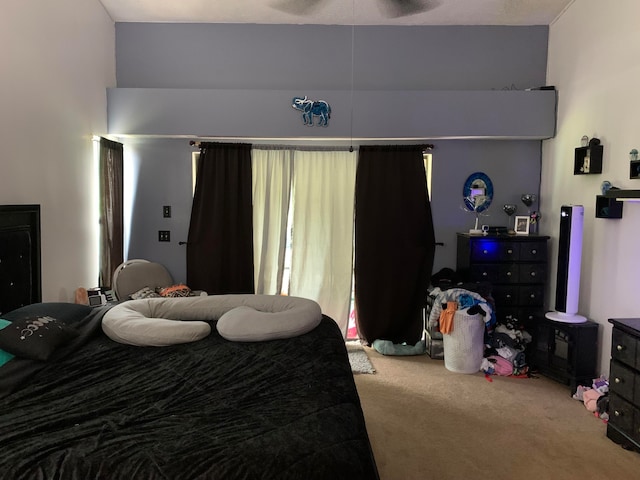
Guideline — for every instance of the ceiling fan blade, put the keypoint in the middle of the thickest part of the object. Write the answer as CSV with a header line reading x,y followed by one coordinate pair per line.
x,y
404,8
297,7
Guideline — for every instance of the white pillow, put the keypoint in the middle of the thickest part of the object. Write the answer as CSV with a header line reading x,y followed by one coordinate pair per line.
x,y
134,324
247,318
247,324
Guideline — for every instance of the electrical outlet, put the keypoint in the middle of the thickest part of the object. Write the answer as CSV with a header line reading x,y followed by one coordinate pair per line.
x,y
166,211
164,236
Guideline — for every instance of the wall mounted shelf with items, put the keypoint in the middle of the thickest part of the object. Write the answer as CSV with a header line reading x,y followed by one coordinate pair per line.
x,y
623,195
607,207
588,160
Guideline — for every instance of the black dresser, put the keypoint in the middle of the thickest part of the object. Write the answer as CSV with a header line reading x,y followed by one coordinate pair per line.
x,y
624,383
516,267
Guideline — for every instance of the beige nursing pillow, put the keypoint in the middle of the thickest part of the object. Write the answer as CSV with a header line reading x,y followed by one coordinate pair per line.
x,y
245,318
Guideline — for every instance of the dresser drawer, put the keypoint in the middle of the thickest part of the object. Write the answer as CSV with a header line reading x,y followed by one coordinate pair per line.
x,y
529,314
623,415
488,250
509,252
533,252
485,251
523,295
622,380
624,348
532,273
506,295
531,295
484,273
508,273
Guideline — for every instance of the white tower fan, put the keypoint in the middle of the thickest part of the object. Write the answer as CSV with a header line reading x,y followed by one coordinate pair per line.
x,y
569,258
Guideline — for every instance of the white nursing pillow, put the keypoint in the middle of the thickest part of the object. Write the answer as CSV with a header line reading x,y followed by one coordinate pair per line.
x,y
134,323
267,317
247,318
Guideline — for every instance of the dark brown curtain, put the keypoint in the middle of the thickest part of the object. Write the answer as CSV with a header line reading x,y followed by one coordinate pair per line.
x,y
394,245
220,243
111,214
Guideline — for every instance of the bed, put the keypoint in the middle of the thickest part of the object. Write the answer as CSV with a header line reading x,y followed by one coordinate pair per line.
x,y
280,409
95,408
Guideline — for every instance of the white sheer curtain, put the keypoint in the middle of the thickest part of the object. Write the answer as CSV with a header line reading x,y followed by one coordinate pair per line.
x,y
322,247
271,192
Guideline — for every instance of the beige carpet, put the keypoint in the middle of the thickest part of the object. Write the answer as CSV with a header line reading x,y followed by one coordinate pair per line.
x,y
425,422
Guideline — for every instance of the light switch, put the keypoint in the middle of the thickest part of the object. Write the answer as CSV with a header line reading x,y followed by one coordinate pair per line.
x,y
166,211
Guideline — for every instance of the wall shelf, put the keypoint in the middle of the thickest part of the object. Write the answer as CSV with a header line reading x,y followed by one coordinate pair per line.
x,y
607,207
588,160
623,195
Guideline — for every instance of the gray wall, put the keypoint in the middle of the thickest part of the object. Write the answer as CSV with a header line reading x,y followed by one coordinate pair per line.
x,y
277,57
204,56
163,171
159,173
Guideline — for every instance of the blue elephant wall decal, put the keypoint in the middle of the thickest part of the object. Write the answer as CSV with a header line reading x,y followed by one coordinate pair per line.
x,y
311,109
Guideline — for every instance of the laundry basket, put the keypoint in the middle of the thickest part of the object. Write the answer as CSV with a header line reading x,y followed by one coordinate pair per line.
x,y
464,345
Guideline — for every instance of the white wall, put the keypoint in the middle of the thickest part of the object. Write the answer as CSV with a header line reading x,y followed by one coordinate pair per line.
x,y
594,61
57,60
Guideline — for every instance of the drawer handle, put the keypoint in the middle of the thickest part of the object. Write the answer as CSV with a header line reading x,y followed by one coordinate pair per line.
x,y
533,295
508,274
533,274
534,251
508,295
484,274
485,251
617,380
510,251
617,413
620,348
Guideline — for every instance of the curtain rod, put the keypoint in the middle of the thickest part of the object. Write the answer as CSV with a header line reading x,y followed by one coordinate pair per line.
x,y
193,143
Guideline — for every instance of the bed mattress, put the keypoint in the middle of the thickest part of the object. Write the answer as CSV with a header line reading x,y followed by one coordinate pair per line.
x,y
212,409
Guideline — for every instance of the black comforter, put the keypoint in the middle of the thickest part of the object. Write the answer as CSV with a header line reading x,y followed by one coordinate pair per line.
x,y
213,409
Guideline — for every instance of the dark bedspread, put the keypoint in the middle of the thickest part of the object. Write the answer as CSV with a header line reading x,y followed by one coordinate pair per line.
x,y
213,409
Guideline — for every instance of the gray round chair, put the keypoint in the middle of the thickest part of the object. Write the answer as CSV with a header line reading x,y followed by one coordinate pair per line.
x,y
135,274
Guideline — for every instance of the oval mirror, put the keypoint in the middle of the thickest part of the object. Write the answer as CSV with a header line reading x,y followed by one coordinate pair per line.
x,y
477,192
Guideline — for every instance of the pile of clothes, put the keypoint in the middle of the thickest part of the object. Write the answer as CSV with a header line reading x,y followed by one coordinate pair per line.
x,y
448,301
505,342
505,349
595,397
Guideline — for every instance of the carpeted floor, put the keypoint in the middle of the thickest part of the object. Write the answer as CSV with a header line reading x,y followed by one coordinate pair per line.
x,y
425,422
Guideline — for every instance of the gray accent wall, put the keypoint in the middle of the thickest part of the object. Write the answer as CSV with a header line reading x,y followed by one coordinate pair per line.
x,y
318,57
189,80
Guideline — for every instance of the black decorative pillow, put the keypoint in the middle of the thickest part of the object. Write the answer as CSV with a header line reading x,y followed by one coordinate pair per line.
x,y
35,337
66,313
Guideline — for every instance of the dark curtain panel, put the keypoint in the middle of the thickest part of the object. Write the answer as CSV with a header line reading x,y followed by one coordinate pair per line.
x,y
111,215
220,243
394,245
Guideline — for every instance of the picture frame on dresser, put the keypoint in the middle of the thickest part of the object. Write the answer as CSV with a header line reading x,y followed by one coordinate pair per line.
x,y
522,225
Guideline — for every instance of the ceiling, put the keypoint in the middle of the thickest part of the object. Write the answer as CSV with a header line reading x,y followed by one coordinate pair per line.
x,y
339,12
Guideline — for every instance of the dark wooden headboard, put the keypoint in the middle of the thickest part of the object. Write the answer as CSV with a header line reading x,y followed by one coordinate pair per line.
x,y
20,273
